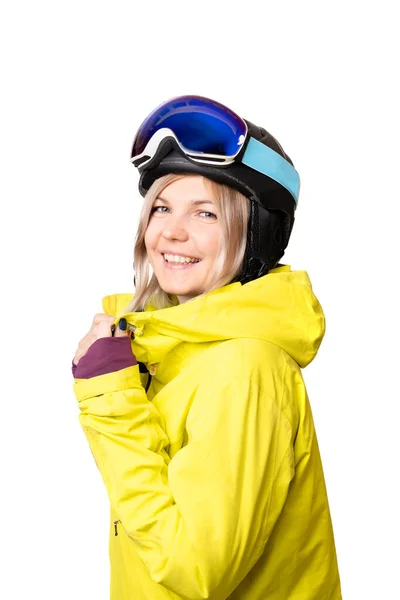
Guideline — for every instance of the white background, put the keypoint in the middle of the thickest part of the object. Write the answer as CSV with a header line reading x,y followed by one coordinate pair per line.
x,y
77,78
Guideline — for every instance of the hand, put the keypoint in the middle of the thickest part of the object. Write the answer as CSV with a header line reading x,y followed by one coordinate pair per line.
x,y
101,327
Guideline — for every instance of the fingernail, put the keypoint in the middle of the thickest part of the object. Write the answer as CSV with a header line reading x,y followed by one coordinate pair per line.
x,y
122,324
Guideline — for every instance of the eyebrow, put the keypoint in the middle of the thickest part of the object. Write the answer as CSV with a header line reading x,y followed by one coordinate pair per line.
x,y
195,202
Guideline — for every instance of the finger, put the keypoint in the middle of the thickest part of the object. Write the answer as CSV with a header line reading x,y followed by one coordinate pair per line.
x,y
99,317
77,357
84,345
101,327
104,328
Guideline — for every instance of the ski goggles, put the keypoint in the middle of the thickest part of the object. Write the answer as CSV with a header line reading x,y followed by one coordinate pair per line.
x,y
209,133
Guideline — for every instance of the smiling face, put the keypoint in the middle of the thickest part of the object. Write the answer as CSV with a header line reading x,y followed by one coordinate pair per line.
x,y
183,237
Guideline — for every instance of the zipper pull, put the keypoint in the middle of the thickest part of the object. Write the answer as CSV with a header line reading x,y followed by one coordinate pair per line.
x,y
115,527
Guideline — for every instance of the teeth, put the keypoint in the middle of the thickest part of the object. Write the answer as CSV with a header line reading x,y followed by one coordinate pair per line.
x,y
179,259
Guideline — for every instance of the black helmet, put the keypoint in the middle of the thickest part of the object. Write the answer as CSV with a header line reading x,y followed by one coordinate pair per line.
x,y
272,206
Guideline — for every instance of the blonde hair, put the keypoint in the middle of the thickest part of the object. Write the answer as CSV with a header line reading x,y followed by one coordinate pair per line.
x,y
233,211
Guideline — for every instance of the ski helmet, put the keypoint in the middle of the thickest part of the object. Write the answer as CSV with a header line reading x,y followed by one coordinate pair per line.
x,y
272,201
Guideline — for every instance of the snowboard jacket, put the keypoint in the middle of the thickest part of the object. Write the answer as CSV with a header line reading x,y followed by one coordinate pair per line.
x,y
214,474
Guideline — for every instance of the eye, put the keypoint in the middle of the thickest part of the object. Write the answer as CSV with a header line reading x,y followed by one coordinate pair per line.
x,y
207,214
158,209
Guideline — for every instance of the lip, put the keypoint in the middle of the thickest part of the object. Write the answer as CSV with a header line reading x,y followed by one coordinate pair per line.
x,y
179,266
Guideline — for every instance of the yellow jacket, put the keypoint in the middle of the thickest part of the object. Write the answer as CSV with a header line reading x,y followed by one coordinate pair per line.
x,y
214,476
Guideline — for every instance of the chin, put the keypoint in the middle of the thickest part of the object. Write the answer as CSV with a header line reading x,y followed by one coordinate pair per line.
x,y
173,291
177,290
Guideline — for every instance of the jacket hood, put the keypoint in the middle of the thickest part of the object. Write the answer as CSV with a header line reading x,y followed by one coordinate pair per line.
x,y
280,308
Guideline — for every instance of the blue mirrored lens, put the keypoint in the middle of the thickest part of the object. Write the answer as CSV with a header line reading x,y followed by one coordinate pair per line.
x,y
200,124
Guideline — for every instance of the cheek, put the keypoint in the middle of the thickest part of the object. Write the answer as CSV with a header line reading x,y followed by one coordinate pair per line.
x,y
150,238
214,244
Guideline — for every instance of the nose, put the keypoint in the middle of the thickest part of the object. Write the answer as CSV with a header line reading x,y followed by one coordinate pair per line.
x,y
175,229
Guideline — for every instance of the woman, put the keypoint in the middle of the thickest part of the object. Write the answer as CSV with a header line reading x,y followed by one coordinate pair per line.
x,y
191,392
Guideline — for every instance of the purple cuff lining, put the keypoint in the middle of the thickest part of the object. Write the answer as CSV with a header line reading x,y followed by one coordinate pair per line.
x,y
105,355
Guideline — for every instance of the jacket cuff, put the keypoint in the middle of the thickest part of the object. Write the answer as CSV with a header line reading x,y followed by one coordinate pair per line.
x,y
105,355
117,381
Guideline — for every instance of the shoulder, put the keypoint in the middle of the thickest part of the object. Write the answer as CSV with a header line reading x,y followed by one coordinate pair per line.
x,y
263,369
244,356
250,378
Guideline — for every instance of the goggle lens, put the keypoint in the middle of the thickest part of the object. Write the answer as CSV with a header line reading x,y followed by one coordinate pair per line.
x,y
201,125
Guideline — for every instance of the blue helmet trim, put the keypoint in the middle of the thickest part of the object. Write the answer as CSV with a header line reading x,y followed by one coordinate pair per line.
x,y
263,159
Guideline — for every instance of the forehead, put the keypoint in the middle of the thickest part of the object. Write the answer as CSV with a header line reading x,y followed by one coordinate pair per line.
x,y
188,190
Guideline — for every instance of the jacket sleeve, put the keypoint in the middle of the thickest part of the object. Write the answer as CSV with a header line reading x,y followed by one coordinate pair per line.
x,y
105,355
200,521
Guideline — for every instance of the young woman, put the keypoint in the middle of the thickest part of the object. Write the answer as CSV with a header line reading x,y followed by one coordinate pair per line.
x,y
191,392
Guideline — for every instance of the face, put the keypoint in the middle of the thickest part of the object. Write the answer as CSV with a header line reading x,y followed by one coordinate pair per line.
x,y
183,237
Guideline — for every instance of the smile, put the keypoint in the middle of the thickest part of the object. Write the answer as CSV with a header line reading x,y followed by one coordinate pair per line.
x,y
180,260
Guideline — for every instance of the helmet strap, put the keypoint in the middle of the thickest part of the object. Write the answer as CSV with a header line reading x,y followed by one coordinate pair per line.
x,y
266,241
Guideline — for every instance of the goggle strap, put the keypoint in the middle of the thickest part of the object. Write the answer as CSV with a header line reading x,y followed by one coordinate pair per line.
x,y
263,159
